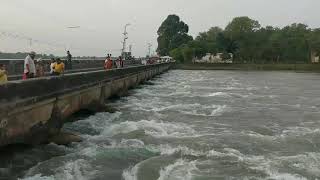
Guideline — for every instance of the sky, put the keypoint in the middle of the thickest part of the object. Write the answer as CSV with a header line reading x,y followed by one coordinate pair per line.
x,y
102,21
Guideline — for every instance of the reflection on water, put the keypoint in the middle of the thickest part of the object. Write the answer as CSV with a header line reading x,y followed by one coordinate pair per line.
x,y
200,125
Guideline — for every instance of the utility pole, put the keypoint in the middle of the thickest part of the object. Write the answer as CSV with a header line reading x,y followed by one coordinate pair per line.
x,y
30,43
125,37
68,46
149,49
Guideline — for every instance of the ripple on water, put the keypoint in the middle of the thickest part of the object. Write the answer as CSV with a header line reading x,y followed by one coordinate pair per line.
x,y
200,125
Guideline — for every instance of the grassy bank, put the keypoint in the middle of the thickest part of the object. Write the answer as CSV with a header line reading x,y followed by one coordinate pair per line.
x,y
251,67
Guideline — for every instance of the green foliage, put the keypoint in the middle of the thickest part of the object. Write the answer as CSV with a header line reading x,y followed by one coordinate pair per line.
x,y
177,55
208,41
314,40
244,38
188,54
172,34
240,27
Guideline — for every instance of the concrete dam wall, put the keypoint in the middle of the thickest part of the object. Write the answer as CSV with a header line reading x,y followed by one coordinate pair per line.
x,y
33,110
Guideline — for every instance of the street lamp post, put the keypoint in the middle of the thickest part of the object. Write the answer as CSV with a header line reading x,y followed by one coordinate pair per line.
x,y
149,49
71,27
125,37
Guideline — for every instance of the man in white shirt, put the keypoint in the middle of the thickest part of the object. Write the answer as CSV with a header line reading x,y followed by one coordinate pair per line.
x,y
29,66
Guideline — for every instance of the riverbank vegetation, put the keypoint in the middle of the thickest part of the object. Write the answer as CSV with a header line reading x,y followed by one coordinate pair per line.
x,y
245,38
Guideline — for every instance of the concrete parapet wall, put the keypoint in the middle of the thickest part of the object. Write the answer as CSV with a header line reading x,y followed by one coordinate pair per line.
x,y
32,110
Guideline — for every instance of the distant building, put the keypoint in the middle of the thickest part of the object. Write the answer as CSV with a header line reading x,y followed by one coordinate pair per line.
x,y
218,58
166,59
126,55
314,57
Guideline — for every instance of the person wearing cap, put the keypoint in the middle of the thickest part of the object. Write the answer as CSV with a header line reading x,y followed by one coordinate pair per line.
x,y
29,66
39,68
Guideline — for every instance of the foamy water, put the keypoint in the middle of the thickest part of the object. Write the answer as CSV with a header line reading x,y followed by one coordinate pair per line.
x,y
190,125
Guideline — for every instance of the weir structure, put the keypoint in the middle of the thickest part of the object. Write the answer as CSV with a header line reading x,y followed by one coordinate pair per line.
x,y
32,111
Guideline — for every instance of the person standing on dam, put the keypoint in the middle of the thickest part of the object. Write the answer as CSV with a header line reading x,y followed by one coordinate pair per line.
x,y
121,62
3,74
69,60
59,67
108,62
53,63
29,66
40,68
118,62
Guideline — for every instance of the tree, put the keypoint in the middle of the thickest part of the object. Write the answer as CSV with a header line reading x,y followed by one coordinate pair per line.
x,y
294,44
250,43
188,54
208,40
239,32
199,47
240,27
314,41
210,35
171,34
177,55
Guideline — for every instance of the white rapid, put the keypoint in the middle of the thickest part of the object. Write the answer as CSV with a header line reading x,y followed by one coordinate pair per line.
x,y
192,125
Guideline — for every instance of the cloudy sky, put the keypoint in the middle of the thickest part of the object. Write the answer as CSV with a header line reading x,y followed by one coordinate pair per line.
x,y
101,21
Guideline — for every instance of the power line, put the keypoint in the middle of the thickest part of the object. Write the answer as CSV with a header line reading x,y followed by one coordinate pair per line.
x,y
32,42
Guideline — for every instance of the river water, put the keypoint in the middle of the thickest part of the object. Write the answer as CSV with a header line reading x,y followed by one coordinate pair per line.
x,y
193,125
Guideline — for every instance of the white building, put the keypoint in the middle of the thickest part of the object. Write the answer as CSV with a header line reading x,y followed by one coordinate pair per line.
x,y
210,58
166,59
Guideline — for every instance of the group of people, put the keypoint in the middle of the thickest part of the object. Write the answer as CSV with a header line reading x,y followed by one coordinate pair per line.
x,y
36,68
109,63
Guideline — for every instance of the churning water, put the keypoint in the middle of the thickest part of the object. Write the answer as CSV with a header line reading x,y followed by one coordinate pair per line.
x,y
194,125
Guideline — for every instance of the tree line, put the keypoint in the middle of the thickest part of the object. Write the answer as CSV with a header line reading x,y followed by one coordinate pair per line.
x,y
245,38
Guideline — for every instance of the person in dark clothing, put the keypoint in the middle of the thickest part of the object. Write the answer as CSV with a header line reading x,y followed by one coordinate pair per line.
x,y
121,62
69,60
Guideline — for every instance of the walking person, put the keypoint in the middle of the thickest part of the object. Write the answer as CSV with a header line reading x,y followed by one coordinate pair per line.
x,y
29,66
3,74
69,60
